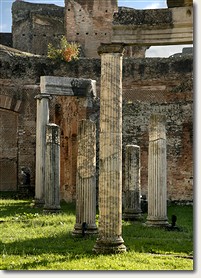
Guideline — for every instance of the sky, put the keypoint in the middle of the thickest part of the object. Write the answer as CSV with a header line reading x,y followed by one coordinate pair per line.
x,y
162,51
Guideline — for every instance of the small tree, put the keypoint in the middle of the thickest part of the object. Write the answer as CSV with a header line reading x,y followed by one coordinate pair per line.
x,y
67,51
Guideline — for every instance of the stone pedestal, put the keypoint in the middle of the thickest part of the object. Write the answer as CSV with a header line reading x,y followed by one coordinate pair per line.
x,y
52,169
157,172
42,119
110,155
132,206
86,180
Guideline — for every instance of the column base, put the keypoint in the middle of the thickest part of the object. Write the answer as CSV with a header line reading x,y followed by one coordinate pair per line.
x,y
107,246
131,215
156,223
86,230
38,203
51,209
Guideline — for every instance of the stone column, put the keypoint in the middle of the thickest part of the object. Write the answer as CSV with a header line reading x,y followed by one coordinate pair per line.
x,y
52,169
42,119
86,180
110,155
157,172
132,208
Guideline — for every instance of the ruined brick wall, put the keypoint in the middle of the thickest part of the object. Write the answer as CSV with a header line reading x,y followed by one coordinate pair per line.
x,y
89,22
165,86
19,84
36,25
18,128
69,111
149,85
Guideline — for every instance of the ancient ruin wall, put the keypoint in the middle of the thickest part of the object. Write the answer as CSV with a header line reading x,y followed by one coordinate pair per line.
x,y
149,85
89,23
34,26
18,115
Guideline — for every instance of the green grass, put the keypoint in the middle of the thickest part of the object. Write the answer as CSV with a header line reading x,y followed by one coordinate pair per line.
x,y
31,240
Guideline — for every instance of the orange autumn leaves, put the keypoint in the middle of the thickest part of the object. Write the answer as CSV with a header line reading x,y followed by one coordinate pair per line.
x,y
67,51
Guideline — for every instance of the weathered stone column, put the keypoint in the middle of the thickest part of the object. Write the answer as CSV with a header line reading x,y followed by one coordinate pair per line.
x,y
110,155
132,209
42,119
52,169
86,180
157,172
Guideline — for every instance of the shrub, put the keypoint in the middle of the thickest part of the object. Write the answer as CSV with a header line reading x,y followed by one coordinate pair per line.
x,y
67,51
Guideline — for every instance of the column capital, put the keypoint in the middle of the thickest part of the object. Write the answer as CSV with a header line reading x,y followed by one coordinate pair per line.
x,y
41,96
111,48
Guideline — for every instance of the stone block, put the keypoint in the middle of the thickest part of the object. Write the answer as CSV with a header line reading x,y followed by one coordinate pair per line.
x,y
66,86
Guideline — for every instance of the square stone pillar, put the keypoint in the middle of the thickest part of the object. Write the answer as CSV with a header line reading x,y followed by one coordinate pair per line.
x,y
157,172
42,119
110,155
132,207
86,180
52,169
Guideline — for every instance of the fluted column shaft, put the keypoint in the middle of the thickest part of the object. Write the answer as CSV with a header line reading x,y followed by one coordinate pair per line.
x,y
110,155
132,207
52,170
42,119
86,179
157,172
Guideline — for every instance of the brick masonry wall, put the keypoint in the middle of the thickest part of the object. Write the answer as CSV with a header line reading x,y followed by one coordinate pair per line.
x,y
34,26
18,129
89,23
149,85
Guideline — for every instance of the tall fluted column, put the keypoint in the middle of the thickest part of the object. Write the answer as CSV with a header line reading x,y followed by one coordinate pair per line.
x,y
132,208
86,180
110,155
52,169
157,172
42,119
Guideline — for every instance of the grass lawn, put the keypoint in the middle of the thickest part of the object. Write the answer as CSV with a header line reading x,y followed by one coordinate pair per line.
x,y
30,240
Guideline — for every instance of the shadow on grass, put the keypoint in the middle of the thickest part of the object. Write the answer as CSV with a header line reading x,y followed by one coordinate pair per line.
x,y
19,207
64,246
59,244
137,238
140,238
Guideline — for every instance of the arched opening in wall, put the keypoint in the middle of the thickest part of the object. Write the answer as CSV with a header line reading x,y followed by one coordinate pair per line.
x,y
8,150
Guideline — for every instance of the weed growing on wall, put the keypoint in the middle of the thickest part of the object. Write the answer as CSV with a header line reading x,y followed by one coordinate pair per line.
x,y
67,51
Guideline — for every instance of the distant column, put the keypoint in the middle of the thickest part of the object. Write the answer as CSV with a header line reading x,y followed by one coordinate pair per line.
x,y
110,155
52,169
86,180
157,172
42,119
132,208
